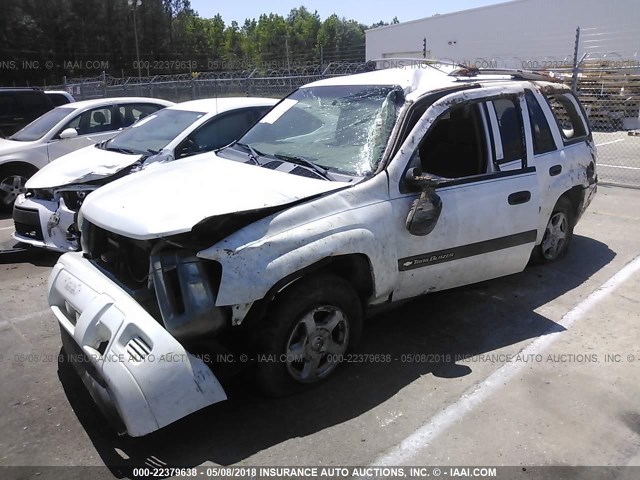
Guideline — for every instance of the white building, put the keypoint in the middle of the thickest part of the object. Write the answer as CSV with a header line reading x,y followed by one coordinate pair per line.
x,y
518,34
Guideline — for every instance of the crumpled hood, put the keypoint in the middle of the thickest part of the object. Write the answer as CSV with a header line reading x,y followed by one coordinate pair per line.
x,y
173,197
83,165
10,146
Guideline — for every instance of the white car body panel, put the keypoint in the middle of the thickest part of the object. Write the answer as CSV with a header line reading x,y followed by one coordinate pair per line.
x,y
203,179
83,165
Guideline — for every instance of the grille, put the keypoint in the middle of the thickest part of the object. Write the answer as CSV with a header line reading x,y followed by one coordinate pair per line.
x,y
27,223
124,258
303,172
137,349
272,165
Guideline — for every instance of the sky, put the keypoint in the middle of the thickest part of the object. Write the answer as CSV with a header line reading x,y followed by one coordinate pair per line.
x,y
366,12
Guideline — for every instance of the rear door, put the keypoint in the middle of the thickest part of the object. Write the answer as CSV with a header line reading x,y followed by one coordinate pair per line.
x,y
487,226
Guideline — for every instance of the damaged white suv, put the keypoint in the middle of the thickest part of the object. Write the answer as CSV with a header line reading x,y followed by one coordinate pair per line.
x,y
351,192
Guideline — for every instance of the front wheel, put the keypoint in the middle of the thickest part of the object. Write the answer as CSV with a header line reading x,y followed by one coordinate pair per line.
x,y
12,183
557,235
307,333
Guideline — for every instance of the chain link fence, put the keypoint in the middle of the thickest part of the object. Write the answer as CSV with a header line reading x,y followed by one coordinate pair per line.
x,y
609,92
196,85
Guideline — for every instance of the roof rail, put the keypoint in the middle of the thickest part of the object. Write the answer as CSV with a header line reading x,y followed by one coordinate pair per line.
x,y
516,74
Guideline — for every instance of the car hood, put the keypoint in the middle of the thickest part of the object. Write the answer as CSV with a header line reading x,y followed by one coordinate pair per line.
x,y
10,146
83,165
173,197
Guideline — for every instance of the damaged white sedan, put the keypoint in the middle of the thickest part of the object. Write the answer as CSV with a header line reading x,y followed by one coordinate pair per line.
x,y
45,216
352,192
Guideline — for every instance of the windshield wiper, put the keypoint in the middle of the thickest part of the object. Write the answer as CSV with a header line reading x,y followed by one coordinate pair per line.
x,y
253,153
323,172
120,150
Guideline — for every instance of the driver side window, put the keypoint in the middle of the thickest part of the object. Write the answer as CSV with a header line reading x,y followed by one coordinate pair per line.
x,y
92,121
455,145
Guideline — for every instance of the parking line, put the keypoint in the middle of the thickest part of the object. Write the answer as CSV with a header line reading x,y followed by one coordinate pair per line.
x,y
612,141
6,228
618,166
407,450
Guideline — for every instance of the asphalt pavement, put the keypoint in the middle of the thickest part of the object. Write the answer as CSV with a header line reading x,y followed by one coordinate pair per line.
x,y
538,368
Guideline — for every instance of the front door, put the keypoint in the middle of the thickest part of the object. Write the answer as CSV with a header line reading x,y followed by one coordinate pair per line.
x,y
488,223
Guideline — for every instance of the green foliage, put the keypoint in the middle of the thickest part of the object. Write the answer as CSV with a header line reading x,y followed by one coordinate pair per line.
x,y
88,30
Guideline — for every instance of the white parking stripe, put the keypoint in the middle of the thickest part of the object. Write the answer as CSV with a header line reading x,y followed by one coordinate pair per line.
x,y
608,143
618,166
407,450
6,228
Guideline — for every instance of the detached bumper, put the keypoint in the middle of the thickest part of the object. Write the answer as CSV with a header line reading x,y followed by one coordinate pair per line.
x,y
139,375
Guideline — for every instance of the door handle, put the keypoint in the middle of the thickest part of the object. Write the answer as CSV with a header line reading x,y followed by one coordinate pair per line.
x,y
518,198
555,170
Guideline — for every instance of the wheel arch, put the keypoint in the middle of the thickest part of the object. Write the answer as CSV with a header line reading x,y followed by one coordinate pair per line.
x,y
12,164
575,195
355,268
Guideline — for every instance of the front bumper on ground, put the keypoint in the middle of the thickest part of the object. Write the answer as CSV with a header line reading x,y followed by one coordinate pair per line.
x,y
44,224
136,370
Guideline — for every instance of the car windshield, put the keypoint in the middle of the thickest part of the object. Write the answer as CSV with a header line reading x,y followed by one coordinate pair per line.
x,y
41,125
345,128
154,132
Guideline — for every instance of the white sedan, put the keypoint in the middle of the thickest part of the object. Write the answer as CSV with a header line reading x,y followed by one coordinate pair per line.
x,y
63,130
46,215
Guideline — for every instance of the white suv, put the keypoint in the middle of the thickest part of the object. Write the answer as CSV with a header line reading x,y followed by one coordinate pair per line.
x,y
352,192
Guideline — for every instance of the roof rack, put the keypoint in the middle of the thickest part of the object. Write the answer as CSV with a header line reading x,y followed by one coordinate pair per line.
x,y
516,74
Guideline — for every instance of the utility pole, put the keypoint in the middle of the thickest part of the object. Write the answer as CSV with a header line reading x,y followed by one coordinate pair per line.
x,y
286,44
134,4
574,79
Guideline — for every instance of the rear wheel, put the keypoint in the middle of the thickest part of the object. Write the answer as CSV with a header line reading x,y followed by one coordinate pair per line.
x,y
307,332
558,233
12,184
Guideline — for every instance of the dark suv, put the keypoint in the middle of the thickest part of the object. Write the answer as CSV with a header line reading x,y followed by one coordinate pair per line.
x,y
19,107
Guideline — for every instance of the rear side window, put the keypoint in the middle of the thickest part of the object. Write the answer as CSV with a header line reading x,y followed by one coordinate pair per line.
x,y
8,104
510,129
33,101
58,99
569,121
542,137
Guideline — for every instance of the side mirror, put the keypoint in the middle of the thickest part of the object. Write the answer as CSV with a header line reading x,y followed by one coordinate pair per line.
x,y
425,210
68,133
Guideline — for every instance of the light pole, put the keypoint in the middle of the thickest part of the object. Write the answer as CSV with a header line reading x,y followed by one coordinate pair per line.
x,y
135,4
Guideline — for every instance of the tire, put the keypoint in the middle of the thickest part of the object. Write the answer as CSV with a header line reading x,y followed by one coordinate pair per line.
x,y
308,329
558,234
12,183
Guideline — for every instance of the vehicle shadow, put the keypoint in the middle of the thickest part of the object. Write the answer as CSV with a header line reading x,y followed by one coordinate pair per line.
x,y
458,323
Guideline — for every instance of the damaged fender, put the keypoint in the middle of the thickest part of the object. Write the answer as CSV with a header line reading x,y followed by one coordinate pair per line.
x,y
251,267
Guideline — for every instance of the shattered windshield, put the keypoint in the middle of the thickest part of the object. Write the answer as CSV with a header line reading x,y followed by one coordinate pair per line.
x,y
344,128
154,132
